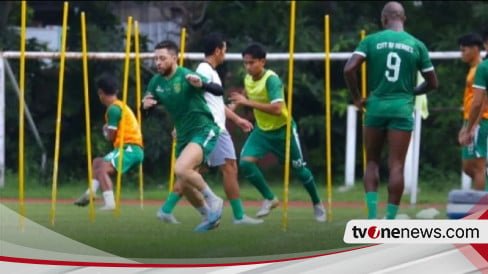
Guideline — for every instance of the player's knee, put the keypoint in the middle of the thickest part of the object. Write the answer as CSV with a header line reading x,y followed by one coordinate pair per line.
x,y
178,189
246,167
181,172
97,163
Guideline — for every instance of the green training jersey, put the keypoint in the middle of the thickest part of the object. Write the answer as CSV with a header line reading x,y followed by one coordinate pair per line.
x,y
184,103
481,76
393,59
268,89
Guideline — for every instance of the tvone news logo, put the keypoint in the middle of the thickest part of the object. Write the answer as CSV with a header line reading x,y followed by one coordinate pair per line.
x,y
374,232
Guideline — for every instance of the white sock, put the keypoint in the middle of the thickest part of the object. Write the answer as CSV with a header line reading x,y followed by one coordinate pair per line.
x,y
108,197
208,194
95,186
203,209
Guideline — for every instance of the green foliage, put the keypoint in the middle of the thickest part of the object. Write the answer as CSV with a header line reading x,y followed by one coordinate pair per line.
x,y
242,22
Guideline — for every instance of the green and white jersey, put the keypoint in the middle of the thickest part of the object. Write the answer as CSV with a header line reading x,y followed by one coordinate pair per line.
x,y
393,59
184,103
268,89
481,76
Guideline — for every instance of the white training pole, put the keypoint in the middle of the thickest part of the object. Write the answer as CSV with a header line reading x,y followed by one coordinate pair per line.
x,y
407,169
2,123
352,115
416,156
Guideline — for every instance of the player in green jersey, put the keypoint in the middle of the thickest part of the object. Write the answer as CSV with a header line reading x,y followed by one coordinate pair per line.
x,y
393,58
264,91
480,99
180,90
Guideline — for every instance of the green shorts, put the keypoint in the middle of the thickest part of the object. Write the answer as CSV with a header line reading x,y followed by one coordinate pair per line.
x,y
396,113
477,149
132,155
382,122
206,138
260,142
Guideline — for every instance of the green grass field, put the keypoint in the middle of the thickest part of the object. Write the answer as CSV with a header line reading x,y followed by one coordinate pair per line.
x,y
136,233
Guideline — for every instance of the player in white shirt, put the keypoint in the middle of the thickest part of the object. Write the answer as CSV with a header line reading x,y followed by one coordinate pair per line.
x,y
223,155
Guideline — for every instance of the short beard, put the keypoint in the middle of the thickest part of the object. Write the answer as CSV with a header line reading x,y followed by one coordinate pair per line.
x,y
166,72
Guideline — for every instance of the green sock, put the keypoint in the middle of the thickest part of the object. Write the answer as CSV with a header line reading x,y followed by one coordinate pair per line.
x,y
237,208
251,171
306,177
391,211
372,204
312,191
170,203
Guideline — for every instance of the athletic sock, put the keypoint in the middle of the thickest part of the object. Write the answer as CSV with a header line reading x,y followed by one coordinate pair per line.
x,y
203,210
209,195
170,203
372,204
237,208
391,211
308,181
251,171
95,186
108,197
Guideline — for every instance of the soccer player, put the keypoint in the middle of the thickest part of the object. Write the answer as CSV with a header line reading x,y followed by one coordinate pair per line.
x,y
265,96
223,155
480,85
118,116
474,155
181,92
393,58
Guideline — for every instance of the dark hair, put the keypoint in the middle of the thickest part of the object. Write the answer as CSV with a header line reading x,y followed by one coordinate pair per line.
x,y
256,50
212,41
171,46
107,84
471,39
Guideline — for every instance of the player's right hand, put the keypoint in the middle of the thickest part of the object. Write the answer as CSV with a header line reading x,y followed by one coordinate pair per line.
x,y
148,101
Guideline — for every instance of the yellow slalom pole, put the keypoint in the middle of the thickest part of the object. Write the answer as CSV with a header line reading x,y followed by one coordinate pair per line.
x,y
328,126
58,117
181,60
121,123
87,115
288,118
363,94
138,105
21,112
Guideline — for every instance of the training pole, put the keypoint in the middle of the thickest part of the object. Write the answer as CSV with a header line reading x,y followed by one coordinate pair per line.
x,y
87,117
328,126
21,112
181,59
138,104
124,109
363,94
288,117
59,110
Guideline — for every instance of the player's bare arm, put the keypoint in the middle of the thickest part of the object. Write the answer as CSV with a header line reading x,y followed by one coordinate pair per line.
x,y
271,108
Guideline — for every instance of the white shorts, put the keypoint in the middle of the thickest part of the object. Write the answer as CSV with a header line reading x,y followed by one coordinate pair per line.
x,y
224,149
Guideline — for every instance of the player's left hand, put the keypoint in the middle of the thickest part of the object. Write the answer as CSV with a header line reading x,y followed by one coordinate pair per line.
x,y
245,125
237,98
194,80
464,137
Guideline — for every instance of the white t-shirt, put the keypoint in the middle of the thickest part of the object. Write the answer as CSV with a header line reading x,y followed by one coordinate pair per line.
x,y
215,103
